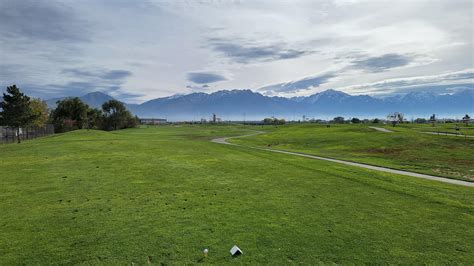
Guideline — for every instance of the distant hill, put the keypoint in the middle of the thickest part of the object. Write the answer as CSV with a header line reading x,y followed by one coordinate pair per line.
x,y
249,105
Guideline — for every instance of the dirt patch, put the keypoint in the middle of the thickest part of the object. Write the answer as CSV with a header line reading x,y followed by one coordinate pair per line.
x,y
463,162
384,150
452,173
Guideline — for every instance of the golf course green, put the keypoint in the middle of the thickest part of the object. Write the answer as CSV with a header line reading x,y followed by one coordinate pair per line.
x,y
406,148
164,194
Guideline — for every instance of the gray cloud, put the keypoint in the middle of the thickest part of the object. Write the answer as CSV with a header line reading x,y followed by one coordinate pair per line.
x,y
73,89
11,72
247,53
204,87
82,81
458,80
460,75
101,74
204,77
49,91
40,20
79,81
82,86
79,88
39,38
382,63
199,88
125,96
302,84
436,89
88,80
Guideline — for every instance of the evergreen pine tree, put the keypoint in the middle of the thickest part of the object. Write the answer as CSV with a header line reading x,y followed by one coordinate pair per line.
x,y
16,111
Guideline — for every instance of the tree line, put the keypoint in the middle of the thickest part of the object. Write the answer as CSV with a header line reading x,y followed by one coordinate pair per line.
x,y
17,110
274,121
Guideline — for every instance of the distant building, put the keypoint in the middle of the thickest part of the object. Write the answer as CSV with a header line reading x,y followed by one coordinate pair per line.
x,y
215,119
152,121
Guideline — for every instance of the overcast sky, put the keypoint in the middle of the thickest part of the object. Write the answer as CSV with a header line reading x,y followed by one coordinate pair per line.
x,y
139,50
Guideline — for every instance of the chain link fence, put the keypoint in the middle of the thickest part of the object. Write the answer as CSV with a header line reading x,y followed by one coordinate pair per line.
x,y
9,135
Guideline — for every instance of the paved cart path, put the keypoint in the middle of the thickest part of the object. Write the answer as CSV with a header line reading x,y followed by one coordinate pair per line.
x,y
448,134
425,132
382,129
366,166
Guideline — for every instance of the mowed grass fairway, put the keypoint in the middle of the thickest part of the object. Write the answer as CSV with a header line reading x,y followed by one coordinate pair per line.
x,y
96,197
405,149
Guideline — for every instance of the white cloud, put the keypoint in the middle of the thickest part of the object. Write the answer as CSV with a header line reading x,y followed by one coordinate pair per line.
x,y
262,42
458,79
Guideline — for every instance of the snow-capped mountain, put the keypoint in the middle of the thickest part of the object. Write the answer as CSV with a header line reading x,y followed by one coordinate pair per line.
x,y
246,104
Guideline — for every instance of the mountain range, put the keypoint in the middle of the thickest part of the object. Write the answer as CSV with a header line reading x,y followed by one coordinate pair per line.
x,y
249,105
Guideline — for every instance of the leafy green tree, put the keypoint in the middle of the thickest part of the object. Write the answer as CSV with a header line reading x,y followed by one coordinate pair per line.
x,y
355,120
420,121
274,121
116,116
40,110
268,121
338,120
94,118
132,121
16,111
466,119
70,114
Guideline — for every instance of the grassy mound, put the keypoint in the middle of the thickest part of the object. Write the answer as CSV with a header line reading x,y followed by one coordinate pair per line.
x,y
167,193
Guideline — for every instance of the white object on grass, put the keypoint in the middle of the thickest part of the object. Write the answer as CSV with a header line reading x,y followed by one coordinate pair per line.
x,y
235,251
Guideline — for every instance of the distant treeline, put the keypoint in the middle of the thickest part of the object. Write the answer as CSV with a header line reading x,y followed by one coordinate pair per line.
x,y
20,111
395,118
274,121
72,113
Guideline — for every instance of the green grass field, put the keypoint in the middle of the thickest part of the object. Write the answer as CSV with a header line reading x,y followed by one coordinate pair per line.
x,y
406,149
442,128
93,197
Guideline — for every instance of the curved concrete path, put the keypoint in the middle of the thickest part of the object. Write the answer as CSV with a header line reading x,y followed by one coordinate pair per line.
x,y
366,166
224,139
447,134
382,129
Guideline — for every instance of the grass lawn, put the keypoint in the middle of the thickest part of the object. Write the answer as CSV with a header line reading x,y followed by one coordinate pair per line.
x,y
442,128
406,149
92,197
